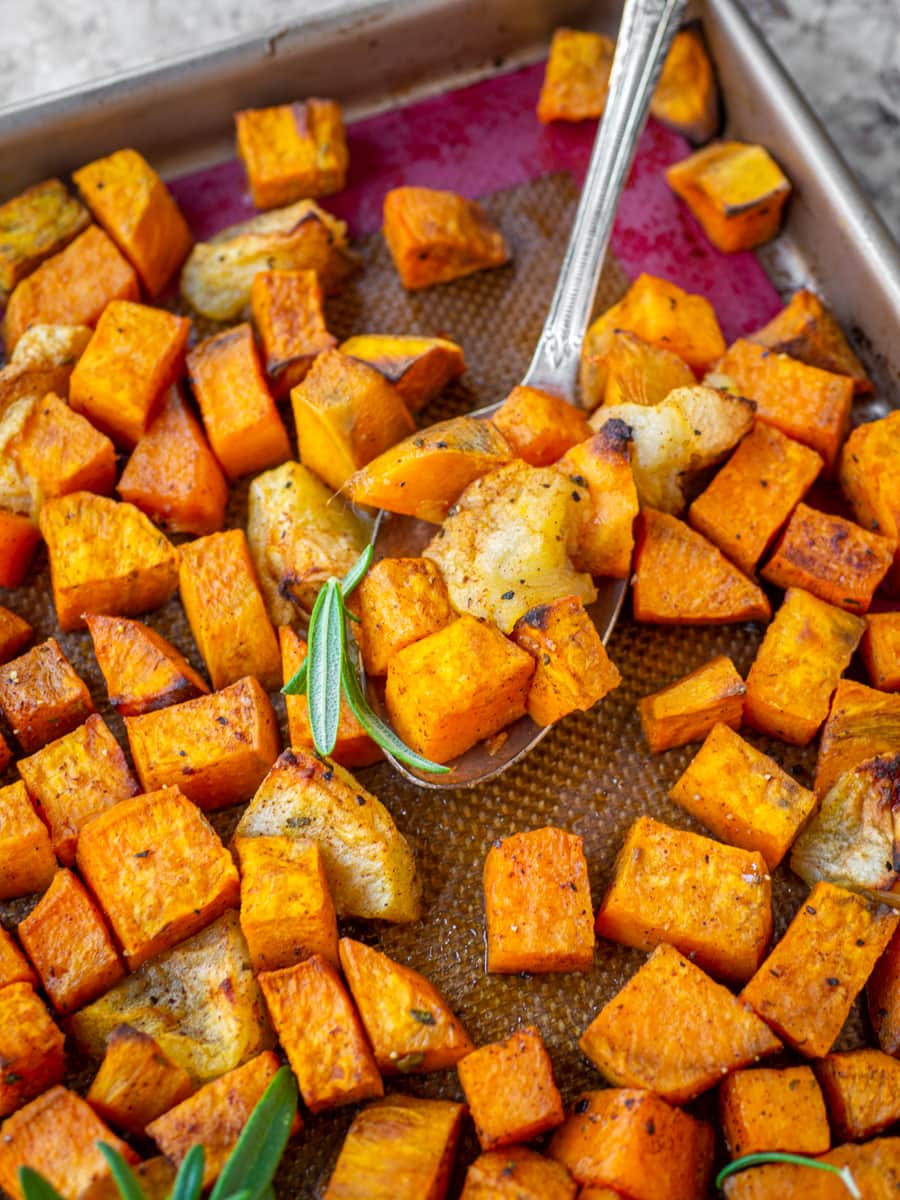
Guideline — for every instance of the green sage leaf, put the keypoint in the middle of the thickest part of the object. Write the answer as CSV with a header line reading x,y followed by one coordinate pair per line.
x,y
296,685
254,1160
356,572
189,1180
129,1188
801,1160
35,1186
326,652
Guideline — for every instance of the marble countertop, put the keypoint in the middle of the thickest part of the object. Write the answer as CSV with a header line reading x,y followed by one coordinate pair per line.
x,y
843,54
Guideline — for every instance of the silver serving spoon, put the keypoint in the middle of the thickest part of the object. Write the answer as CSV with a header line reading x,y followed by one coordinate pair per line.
x,y
645,34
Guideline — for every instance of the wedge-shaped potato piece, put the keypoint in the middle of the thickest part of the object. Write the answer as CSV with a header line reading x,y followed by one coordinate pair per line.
x,y
576,79
42,697
681,579
459,685
299,534
14,967
686,96
158,870
707,1032
752,496
537,902
34,225
871,482
61,452
711,902
540,427
862,722
516,1173
287,313
425,474
31,1048
368,863
510,1090
292,151
418,367
505,547
199,1001
572,669
136,1082
399,1148
19,537
881,650
687,709
142,670
853,840
43,361
806,649
435,236
805,329
623,369
401,601
16,490
806,987
105,557
633,1141
690,430
862,1088
216,749
76,778
15,633
218,276
770,1109
409,1023
27,861
761,809
321,1034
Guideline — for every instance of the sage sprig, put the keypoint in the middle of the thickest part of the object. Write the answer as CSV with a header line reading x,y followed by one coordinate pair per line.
x,y
774,1156
331,669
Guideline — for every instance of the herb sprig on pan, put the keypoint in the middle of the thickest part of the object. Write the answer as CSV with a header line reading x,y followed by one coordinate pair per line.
x,y
331,668
772,1156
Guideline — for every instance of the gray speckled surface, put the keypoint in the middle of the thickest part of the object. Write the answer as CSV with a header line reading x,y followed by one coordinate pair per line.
x,y
843,54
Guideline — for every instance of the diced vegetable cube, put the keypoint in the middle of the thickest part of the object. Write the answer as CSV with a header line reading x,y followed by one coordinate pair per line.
x,y
870,480
60,452
292,151
19,537
14,966
600,470
687,709
516,1173
576,79
686,96
136,1081
770,1109
806,330
287,313
540,427
41,696
883,997
510,1090
874,1168
621,368
27,861
862,1089
34,225
418,367
435,236
881,650
401,601
15,633
142,670
862,722
31,1050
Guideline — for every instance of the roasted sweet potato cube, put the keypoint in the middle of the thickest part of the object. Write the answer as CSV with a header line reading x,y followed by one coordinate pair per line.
x,y
71,288
173,475
537,901
321,1034
449,690
241,420
806,330
15,634
105,557
19,537
401,601
682,579
57,1135
61,452
712,902
370,868
874,1168
75,778
399,1148
14,966
27,861
862,1090
425,474
142,670
41,696
870,481
880,650
707,1032
287,914
215,1116
135,208
623,369
39,222
418,367
686,710
31,1050
226,610
769,1109
510,1090
540,427
435,236
572,669
158,870
806,649
576,78
292,151
409,1023
862,723
287,313
136,1082
883,998
807,985
216,749
634,1142
686,96
155,1176
762,808
516,1173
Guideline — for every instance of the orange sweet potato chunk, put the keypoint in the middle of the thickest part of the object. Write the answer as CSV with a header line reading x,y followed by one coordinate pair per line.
x,y
27,861
510,1090
41,696
241,420
292,151
399,1148
540,427
133,205
173,475
136,1082
19,537
754,493
862,723
418,367
681,579
763,808
61,452
687,709
874,1167
516,1173
39,222
216,749
401,601
871,482
576,78
712,902
321,1034
31,1050
287,914
637,1144
158,870
409,1023
600,470
862,1090
686,96
806,330
537,901
806,649
155,1176
881,650
883,998
71,288
142,670
287,312
769,1109
706,1032
435,236
807,985
617,367
14,967
15,634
